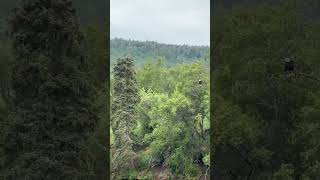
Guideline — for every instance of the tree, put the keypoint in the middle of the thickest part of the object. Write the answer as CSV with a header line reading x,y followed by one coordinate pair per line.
x,y
5,83
173,119
123,120
258,107
96,46
54,96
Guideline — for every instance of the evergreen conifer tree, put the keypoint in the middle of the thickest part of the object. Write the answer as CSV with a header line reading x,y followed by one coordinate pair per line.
x,y
125,100
54,97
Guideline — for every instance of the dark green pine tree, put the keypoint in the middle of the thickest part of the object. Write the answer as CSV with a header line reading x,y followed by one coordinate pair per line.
x,y
123,120
54,110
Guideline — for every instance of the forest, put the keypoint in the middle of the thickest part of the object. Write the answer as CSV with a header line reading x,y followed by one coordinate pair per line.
x,y
255,117
150,50
265,116
160,120
53,90
54,99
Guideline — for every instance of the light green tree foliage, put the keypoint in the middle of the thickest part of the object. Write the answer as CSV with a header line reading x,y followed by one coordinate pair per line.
x,y
173,121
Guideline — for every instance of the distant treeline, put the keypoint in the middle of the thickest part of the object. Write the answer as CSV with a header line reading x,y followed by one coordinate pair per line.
x,y
142,51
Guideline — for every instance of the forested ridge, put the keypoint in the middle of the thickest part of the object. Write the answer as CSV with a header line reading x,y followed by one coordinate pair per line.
x,y
159,110
141,51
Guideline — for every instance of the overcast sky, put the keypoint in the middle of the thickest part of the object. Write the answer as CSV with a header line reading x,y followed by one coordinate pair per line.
x,y
165,21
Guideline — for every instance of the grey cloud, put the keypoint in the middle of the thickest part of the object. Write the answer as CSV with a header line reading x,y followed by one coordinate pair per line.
x,y
166,21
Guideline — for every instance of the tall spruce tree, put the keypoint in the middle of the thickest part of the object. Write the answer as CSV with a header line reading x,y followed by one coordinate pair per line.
x,y
125,100
53,94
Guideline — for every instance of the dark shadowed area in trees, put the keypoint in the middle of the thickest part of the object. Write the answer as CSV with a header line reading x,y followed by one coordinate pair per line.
x,y
53,90
266,90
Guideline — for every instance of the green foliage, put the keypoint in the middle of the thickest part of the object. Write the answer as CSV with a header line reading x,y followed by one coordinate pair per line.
x,y
125,99
95,55
96,45
142,51
173,116
54,110
286,172
144,160
206,159
94,11
5,91
264,119
171,135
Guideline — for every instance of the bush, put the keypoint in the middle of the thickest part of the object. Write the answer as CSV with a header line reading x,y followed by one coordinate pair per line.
x,y
144,160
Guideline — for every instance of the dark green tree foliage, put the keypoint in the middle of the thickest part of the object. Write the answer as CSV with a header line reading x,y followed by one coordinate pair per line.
x,y
96,45
310,7
262,116
6,6
88,11
123,120
5,101
53,99
93,11
96,39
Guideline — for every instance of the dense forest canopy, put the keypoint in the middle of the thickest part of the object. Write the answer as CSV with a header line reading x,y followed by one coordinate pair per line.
x,y
160,110
142,51
266,118
169,125
85,76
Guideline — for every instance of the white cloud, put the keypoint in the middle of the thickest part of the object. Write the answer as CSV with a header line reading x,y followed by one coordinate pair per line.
x,y
166,21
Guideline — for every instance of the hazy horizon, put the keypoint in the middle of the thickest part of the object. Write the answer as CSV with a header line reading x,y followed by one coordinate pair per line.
x,y
131,39
179,22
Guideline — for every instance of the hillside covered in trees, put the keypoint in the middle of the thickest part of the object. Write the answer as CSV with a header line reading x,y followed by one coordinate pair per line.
x,y
159,111
142,51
